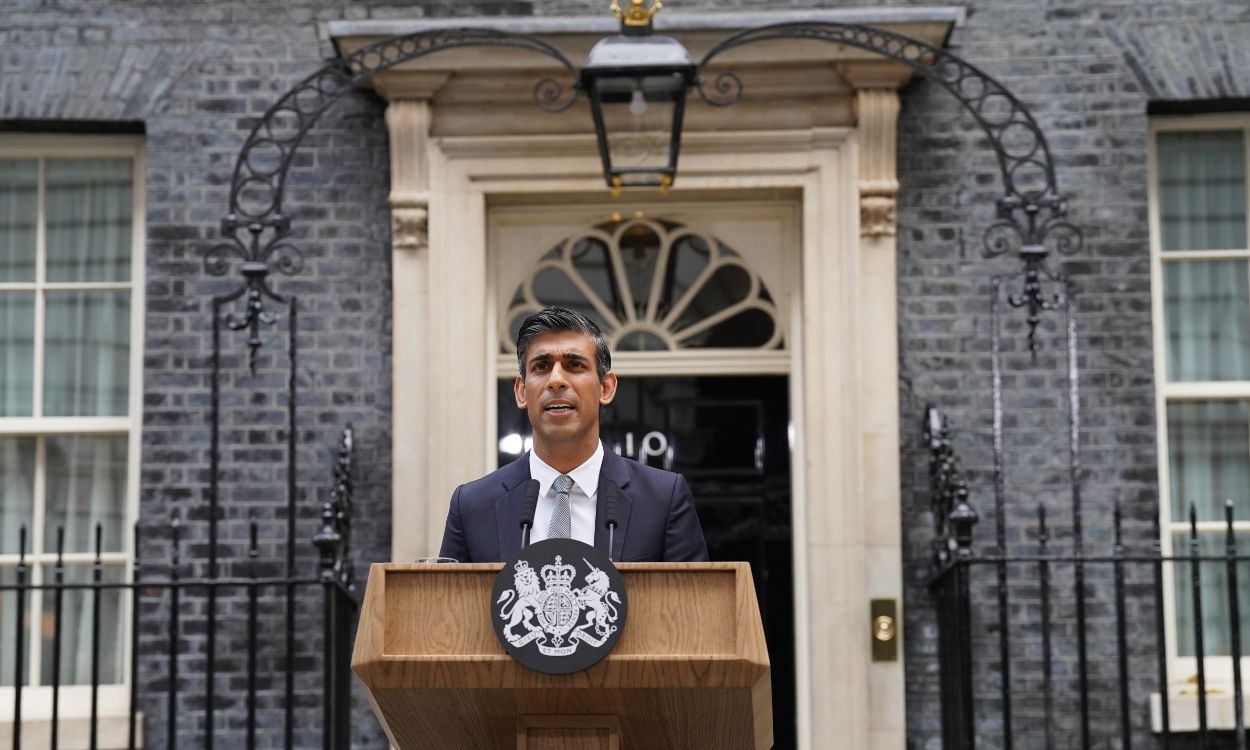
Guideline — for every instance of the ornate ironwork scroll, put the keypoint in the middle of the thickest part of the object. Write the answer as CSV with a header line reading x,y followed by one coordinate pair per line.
x,y
1031,214
256,227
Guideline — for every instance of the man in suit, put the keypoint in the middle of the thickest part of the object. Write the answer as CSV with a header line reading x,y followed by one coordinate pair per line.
x,y
565,380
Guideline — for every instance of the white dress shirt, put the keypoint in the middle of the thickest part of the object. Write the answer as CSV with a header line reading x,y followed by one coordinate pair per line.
x,y
581,496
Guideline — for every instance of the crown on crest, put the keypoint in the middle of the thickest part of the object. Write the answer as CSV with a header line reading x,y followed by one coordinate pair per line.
x,y
558,575
638,13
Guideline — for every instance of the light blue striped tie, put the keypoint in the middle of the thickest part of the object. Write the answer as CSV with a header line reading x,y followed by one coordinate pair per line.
x,y
561,526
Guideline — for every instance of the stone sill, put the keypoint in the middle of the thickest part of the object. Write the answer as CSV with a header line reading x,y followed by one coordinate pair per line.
x,y
113,733
1183,711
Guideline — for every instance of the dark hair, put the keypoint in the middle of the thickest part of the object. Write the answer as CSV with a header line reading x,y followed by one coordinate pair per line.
x,y
555,320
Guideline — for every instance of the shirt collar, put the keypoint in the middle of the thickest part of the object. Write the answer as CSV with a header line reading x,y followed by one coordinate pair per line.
x,y
586,476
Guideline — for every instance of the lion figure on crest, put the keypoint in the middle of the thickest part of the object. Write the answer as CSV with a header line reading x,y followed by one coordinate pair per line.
x,y
526,593
596,597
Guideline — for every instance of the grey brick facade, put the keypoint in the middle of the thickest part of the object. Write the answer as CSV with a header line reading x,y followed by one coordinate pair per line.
x,y
197,75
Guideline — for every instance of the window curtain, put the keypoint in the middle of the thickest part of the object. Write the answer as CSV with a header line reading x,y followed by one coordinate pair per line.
x,y
1207,309
76,614
19,186
89,214
1209,458
1208,462
18,195
1216,633
1202,190
87,354
17,503
86,485
17,492
1202,206
17,353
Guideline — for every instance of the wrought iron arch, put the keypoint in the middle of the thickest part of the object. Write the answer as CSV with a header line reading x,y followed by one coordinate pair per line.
x,y
1031,221
1031,216
260,172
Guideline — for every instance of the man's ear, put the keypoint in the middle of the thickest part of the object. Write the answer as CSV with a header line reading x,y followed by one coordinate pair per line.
x,y
518,390
609,389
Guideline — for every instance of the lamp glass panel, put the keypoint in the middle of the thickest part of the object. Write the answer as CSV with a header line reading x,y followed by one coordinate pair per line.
x,y
638,119
639,139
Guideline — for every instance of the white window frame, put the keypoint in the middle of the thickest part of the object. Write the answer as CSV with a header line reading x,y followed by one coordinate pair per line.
x,y
114,699
1219,672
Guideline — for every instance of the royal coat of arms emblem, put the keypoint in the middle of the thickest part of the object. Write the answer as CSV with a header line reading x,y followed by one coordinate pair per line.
x,y
559,606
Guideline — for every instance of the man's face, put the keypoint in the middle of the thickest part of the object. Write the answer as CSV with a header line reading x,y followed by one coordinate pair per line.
x,y
561,391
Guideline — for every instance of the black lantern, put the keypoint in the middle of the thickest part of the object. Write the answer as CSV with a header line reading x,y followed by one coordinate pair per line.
x,y
636,82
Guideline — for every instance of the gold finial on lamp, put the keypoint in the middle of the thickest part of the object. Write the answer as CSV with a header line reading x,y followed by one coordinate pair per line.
x,y
638,14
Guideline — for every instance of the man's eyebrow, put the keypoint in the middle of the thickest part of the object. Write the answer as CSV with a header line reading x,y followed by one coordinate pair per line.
x,y
540,358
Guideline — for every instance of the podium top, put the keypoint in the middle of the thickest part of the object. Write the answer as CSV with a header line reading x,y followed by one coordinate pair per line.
x,y
691,625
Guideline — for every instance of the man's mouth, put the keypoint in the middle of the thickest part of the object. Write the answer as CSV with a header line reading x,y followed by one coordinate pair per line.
x,y
558,408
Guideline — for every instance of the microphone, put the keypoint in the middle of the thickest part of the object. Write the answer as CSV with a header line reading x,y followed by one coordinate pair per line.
x,y
610,492
527,511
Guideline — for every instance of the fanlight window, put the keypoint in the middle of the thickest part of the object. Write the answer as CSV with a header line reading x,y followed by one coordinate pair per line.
x,y
651,286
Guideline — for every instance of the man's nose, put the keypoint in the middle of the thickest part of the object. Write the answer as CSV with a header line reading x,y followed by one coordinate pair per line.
x,y
558,378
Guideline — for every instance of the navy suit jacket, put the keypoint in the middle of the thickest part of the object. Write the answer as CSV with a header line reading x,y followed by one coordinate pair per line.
x,y
658,522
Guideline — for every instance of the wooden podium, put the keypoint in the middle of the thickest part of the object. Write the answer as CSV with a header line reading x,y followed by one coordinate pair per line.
x,y
691,669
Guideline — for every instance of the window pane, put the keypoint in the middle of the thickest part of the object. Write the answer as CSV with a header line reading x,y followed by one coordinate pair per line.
x,y
1207,308
640,250
77,624
1202,190
553,287
690,256
8,627
87,354
1215,600
86,485
18,213
17,493
1209,458
17,353
89,219
592,261
751,327
727,286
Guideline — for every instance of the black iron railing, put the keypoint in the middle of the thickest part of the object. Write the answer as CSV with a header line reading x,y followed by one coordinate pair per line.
x,y
1016,671
189,606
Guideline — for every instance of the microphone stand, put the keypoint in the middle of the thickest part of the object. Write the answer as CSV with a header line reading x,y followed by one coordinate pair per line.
x,y
609,512
527,512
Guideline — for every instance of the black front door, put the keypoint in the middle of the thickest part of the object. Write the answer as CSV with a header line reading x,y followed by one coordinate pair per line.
x,y
729,436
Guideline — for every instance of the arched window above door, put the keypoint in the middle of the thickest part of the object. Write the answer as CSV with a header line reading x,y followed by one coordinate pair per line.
x,y
651,285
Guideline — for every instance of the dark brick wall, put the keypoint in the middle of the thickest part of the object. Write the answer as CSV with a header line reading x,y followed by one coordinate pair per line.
x,y
198,74
1086,70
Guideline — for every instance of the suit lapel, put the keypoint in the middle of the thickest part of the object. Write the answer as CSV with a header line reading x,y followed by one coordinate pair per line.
x,y
615,469
509,506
